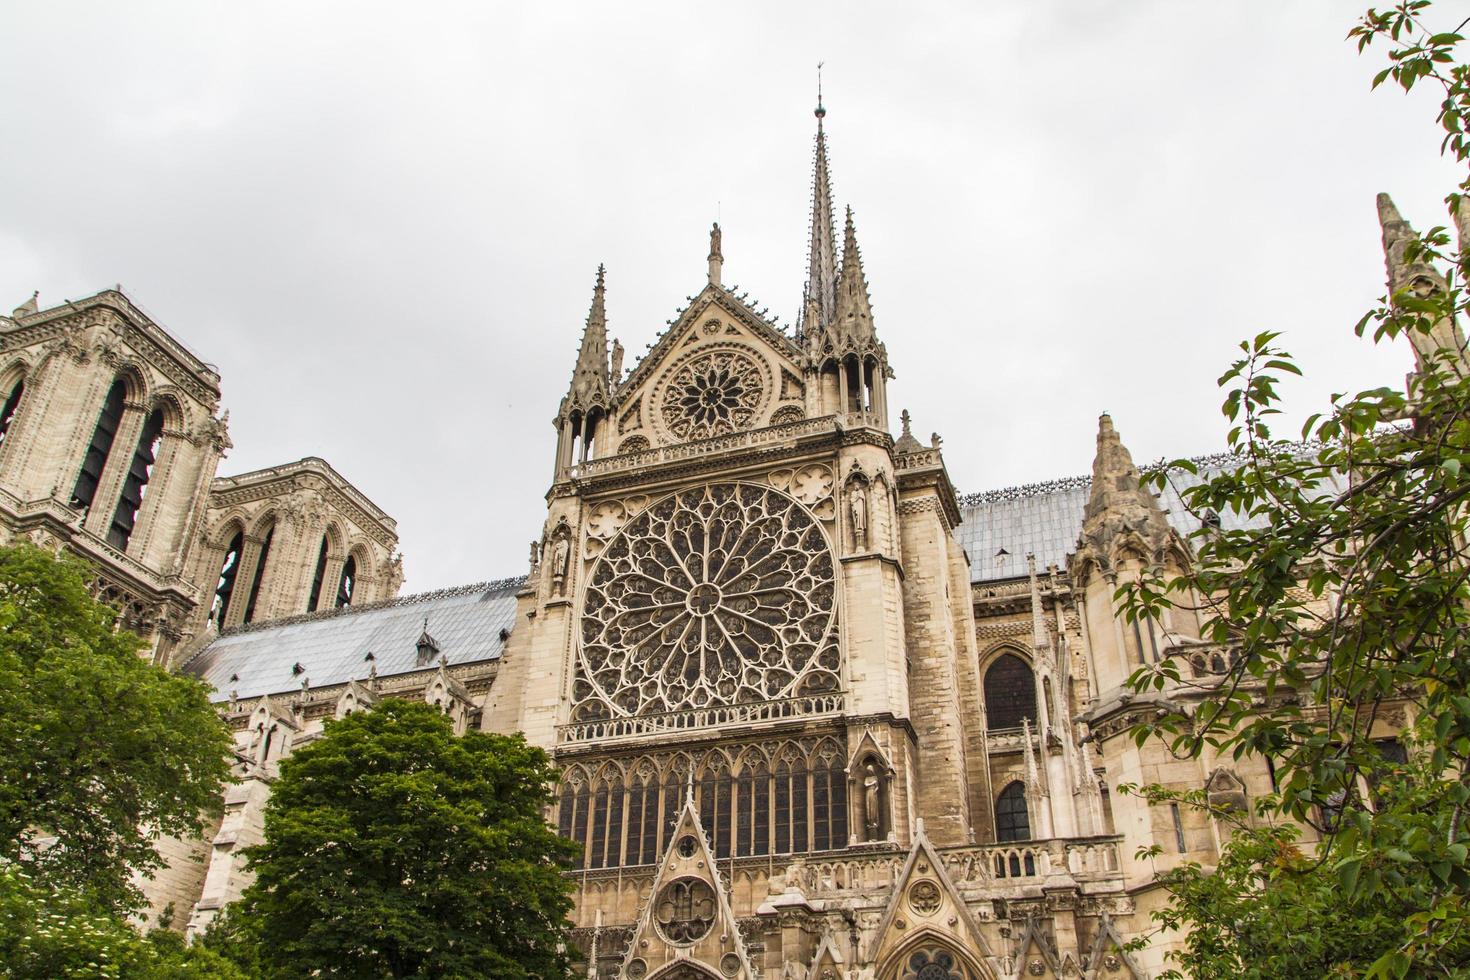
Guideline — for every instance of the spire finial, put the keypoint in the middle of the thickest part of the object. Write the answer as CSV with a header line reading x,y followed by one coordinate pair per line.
x,y
821,110
716,257
819,300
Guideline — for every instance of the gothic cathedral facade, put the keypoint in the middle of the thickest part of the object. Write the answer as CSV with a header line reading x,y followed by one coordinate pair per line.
x,y
817,715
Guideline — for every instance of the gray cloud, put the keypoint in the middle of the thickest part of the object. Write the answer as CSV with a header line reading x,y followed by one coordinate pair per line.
x,y
381,220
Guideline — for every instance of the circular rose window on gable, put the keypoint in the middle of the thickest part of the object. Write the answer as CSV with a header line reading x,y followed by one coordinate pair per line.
x,y
712,393
715,595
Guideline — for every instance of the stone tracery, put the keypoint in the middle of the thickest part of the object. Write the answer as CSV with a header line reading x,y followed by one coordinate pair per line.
x,y
715,595
716,392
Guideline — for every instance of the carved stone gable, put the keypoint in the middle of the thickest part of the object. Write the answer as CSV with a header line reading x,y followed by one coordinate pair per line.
x,y
686,919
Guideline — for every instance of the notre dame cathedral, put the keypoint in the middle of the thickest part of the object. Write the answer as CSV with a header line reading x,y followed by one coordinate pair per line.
x,y
818,715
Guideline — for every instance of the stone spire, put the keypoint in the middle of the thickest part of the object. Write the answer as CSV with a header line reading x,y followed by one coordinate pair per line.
x,y
819,302
854,313
589,386
1118,507
30,306
1419,277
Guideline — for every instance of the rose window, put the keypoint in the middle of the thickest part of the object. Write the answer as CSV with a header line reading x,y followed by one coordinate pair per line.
x,y
716,595
716,392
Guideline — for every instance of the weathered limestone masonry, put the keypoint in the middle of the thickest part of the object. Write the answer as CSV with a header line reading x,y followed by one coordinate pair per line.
x,y
817,715
109,443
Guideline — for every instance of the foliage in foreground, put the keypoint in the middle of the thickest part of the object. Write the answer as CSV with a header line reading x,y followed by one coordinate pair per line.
x,y
1372,518
395,848
60,934
99,749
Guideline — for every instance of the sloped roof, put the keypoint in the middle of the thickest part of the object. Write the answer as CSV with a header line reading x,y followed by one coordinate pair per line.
x,y
332,647
999,528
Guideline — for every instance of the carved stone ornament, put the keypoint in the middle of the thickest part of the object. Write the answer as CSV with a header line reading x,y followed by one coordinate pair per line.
x,y
713,393
1112,963
924,897
685,911
729,964
716,595
932,964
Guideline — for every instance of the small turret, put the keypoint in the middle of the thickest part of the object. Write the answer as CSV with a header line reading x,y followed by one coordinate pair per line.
x,y
854,319
1418,277
589,398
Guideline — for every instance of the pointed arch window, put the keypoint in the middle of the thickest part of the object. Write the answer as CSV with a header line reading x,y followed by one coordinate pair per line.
x,y
98,450
125,516
791,815
229,568
347,584
260,563
1010,693
1012,822
12,402
317,576
579,821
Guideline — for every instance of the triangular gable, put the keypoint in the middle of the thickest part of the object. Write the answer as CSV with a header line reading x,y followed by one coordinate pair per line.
x,y
696,312
356,697
926,906
1036,958
827,964
1110,959
686,917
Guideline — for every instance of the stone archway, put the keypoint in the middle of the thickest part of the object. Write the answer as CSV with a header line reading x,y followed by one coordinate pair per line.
x,y
931,959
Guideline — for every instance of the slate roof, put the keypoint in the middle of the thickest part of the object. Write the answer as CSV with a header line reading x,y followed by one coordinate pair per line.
x,y
1045,519
331,647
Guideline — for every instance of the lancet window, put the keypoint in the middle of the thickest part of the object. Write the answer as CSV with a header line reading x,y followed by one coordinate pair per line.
x,y
317,576
260,563
1010,693
1012,822
229,568
12,402
623,818
98,450
347,583
125,516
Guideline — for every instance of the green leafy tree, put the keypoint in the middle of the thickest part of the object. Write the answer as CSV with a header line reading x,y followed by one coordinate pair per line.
x,y
1371,517
100,751
394,848
49,933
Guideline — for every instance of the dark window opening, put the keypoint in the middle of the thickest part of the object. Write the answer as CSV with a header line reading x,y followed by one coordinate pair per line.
x,y
125,517
227,572
1010,693
1012,823
7,412
265,553
1178,827
317,576
95,461
347,583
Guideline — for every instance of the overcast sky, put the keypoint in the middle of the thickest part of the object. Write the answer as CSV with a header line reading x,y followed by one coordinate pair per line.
x,y
382,221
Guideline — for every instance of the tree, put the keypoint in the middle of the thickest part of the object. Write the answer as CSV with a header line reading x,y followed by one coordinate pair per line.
x,y
395,848
1344,595
100,751
54,933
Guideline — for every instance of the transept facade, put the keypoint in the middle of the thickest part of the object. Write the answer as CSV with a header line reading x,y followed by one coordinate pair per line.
x,y
817,714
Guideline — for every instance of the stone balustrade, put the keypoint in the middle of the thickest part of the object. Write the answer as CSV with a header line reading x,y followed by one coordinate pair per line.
x,y
692,719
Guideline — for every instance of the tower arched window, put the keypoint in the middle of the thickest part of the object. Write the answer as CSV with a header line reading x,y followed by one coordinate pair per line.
x,y
317,576
12,402
1010,693
229,568
1012,822
347,583
98,450
260,563
125,516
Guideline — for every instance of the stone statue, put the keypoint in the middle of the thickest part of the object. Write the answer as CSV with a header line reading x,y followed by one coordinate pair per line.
x,y
561,555
859,504
872,812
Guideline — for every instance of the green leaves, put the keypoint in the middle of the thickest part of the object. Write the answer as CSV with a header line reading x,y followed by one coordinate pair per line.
x,y
395,848
98,747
